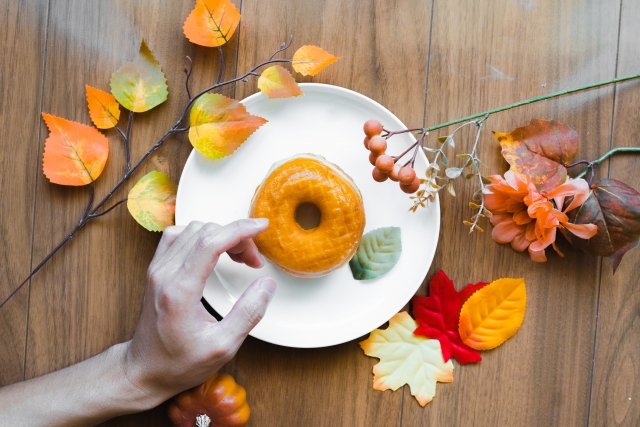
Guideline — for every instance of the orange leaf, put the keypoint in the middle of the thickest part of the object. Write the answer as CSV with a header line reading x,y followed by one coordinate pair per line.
x,y
276,82
140,85
152,201
493,314
219,125
211,23
103,108
309,60
74,154
541,150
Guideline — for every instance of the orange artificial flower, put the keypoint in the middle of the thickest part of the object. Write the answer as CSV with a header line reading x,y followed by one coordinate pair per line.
x,y
527,219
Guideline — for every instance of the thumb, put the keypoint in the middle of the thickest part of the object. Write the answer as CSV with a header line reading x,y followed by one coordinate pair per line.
x,y
249,309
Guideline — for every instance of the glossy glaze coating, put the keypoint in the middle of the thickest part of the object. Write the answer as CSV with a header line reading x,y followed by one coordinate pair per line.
x,y
307,178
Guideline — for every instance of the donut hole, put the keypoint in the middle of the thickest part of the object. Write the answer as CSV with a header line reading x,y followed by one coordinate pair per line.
x,y
307,216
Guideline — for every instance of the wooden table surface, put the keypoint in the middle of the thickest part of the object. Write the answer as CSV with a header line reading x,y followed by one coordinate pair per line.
x,y
574,362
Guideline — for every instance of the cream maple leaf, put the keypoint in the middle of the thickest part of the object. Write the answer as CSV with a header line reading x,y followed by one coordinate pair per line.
x,y
406,358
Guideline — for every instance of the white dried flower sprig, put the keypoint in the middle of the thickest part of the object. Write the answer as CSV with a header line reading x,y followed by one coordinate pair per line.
x,y
433,182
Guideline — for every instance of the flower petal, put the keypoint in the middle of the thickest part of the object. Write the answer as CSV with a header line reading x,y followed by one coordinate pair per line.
x,y
506,231
572,187
584,231
520,243
537,256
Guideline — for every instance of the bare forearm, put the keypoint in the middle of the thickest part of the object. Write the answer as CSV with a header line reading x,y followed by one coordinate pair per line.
x,y
80,395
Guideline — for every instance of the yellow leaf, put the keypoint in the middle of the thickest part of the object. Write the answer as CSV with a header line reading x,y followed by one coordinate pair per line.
x,y
406,358
493,314
309,60
211,23
276,82
219,125
152,201
103,108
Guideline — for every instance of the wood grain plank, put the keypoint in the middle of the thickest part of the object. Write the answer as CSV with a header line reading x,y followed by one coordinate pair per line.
x,y
483,55
22,39
616,381
384,48
89,296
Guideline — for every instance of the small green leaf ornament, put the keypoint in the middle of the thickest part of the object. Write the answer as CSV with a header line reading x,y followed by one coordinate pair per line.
x,y
377,254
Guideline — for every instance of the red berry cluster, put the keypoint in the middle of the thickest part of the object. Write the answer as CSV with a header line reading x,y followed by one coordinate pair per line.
x,y
385,165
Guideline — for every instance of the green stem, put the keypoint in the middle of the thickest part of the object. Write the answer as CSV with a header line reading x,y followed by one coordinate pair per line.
x,y
607,155
532,100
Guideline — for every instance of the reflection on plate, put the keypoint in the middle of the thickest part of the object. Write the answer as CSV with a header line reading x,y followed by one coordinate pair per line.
x,y
336,308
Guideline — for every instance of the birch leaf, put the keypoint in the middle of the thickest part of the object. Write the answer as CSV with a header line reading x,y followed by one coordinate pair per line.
x,y
74,154
103,108
277,82
152,201
309,60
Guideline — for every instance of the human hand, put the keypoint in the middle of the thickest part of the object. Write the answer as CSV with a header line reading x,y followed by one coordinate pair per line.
x,y
177,343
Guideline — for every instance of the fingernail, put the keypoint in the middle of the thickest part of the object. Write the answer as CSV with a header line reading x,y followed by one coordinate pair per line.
x,y
261,222
262,260
269,284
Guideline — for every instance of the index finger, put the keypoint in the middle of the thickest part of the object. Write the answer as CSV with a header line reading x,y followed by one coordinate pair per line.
x,y
210,244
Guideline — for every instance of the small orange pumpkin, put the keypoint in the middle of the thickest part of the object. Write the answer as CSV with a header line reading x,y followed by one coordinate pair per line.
x,y
220,398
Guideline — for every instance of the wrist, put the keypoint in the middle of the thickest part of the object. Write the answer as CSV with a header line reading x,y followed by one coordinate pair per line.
x,y
135,387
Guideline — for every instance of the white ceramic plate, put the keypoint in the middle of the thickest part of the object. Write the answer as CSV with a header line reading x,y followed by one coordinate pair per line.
x,y
336,308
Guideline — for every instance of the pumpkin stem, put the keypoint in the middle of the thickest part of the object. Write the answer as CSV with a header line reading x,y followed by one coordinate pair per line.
x,y
203,421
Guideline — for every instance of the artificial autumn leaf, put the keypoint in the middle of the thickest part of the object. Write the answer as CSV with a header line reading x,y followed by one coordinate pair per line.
x,y
438,316
140,85
493,314
541,149
377,254
103,108
406,358
614,208
219,125
74,154
309,60
276,82
152,201
211,23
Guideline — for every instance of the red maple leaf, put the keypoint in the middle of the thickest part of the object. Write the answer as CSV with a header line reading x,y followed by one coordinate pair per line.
x,y
438,315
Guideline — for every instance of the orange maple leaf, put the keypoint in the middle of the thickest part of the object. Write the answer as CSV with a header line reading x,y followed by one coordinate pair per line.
x,y
103,108
276,82
309,60
74,154
211,23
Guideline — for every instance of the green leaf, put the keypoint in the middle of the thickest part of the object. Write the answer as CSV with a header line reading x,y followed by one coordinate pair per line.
x,y
444,160
377,254
140,85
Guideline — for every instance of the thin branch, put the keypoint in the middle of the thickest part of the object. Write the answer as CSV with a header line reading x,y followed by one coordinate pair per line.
x,y
108,210
92,190
532,100
221,65
187,71
127,142
603,158
283,47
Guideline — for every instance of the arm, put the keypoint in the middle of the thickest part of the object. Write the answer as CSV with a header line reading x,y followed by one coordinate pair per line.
x,y
177,344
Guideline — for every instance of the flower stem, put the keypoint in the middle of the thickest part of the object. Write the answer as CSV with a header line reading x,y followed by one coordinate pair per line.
x,y
532,100
606,156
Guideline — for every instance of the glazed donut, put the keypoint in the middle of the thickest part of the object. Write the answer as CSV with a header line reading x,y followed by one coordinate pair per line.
x,y
301,179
